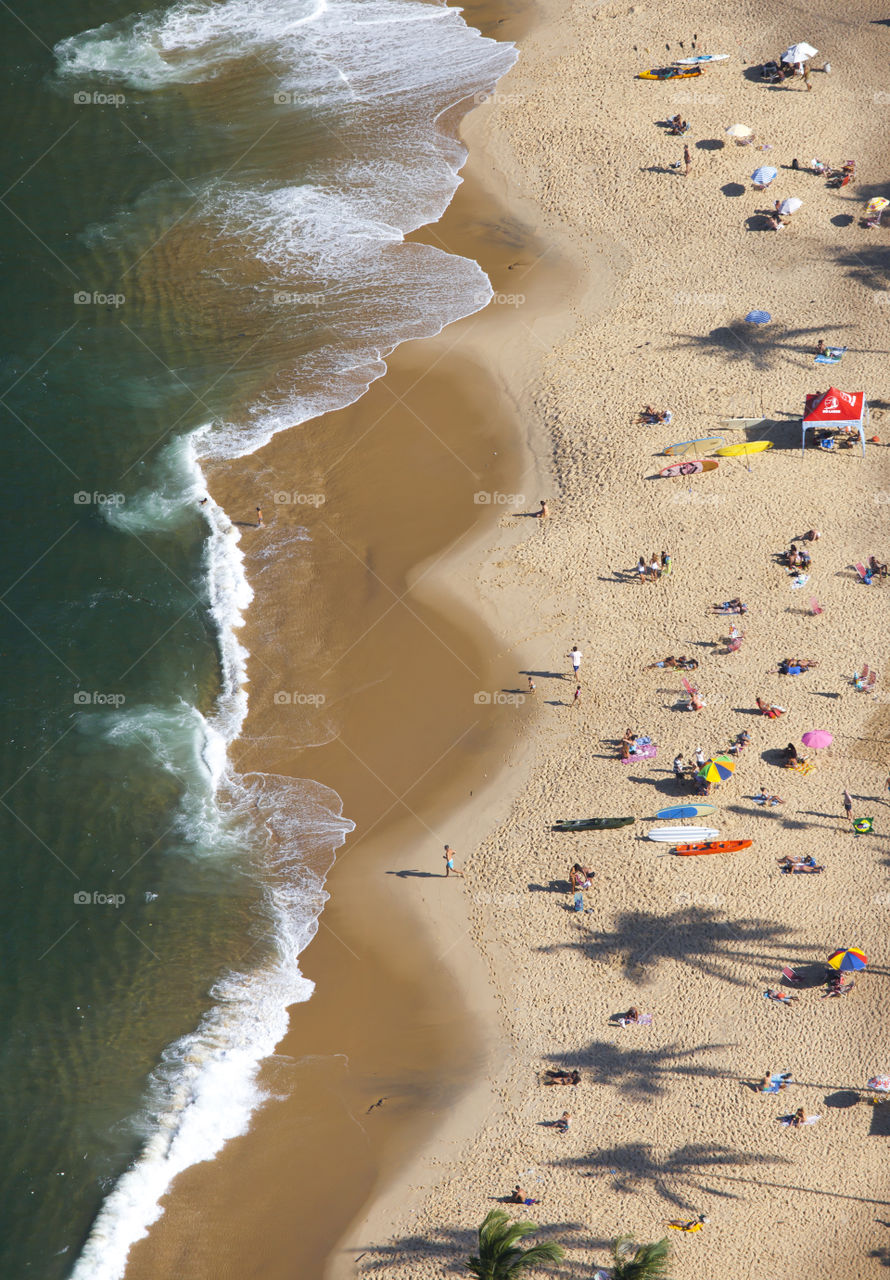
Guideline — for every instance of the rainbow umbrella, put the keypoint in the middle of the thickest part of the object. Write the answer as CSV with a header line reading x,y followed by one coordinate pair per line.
x,y
876,205
817,738
718,769
851,958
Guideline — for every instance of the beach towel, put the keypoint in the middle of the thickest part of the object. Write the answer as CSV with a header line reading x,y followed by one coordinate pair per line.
x,y
644,1020
788,1121
863,826
833,355
776,1080
800,581
642,753
578,904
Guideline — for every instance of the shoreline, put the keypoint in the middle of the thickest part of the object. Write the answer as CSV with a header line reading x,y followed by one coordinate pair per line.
x,y
214,1194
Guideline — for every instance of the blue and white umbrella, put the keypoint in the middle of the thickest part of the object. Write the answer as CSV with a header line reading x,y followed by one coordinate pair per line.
x,y
758,317
764,175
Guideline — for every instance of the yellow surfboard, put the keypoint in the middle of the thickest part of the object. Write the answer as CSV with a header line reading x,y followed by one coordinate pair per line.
x,y
741,450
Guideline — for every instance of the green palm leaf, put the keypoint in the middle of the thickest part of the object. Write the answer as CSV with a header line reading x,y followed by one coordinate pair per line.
x,y
631,1261
500,1256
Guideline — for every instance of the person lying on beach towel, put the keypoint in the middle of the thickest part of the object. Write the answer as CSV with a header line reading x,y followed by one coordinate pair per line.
x,y
676,1224
684,663
632,1018
830,355
780,997
730,606
556,1076
800,866
520,1196
794,666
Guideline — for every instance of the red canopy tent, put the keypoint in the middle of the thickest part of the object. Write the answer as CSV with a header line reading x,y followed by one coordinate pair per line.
x,y
845,410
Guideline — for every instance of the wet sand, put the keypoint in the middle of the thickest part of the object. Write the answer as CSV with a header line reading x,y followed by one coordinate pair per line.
x,y
366,593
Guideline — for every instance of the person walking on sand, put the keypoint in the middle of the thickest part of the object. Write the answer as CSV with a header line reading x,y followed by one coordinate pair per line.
x,y
575,654
699,758
848,806
544,512
576,701
687,161
259,517
450,869
531,685
667,563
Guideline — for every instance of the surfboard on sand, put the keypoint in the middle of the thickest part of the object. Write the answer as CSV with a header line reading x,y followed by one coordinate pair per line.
x,y
699,59
693,467
678,811
687,446
683,835
712,846
591,824
742,450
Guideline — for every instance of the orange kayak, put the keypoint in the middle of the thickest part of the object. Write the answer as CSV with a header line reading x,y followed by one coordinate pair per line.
x,y
714,846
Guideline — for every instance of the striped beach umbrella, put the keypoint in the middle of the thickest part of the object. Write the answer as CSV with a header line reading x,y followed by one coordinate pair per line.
x,y
763,176
718,769
848,958
758,317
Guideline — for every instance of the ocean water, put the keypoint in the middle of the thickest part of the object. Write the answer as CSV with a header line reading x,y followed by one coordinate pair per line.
x,y
204,215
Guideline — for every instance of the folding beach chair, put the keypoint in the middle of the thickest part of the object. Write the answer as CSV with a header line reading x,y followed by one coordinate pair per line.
x,y
815,606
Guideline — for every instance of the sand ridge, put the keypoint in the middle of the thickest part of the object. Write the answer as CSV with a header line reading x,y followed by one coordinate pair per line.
x,y
665,1122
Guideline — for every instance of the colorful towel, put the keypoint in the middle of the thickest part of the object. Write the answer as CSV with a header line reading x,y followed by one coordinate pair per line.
x,y
642,753
800,581
833,355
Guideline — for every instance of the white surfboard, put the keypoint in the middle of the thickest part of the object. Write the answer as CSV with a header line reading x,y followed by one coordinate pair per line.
x,y
700,59
684,835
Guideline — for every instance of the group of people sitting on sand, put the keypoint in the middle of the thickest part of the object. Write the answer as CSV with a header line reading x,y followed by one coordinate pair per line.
x,y
795,559
678,125
580,877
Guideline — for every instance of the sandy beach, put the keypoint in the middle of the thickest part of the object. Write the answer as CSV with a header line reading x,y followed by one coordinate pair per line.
x,y
619,282
666,1122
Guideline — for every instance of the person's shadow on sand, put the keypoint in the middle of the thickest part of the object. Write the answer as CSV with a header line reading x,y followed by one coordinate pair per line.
x,y
422,875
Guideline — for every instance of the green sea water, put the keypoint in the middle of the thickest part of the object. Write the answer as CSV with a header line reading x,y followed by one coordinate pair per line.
x,y
203,214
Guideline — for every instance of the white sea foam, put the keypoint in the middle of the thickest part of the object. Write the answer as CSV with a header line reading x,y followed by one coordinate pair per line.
x,y
382,72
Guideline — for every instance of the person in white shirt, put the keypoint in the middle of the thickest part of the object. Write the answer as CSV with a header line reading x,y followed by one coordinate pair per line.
x,y
575,654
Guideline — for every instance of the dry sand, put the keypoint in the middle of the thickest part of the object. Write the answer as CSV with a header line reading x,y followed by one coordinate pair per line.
x,y
666,1123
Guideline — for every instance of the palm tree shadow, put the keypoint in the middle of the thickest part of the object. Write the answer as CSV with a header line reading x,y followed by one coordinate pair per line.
x,y
698,937
765,348
641,1074
447,1248
680,1177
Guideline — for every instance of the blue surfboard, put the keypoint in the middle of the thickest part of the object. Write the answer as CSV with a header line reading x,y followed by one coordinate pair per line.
x,y
686,811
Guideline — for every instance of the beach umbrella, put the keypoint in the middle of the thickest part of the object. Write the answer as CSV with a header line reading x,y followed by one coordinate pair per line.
x,y
763,176
848,958
791,205
817,738
718,769
876,205
880,1084
758,317
740,131
799,52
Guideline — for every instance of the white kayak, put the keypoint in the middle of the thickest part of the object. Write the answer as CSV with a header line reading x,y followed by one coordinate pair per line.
x,y
700,59
683,835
